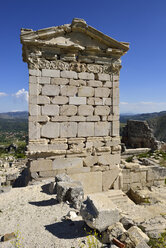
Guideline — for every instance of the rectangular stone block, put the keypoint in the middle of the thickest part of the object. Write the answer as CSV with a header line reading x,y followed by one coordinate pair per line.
x,y
89,161
69,74
109,159
93,118
33,99
86,91
50,110
109,177
57,146
102,128
115,128
32,79
66,163
102,110
59,81
39,118
34,109
94,83
34,89
50,130
68,90
116,96
68,110
98,101
43,100
102,92
107,84
36,147
77,82
60,100
77,100
50,90
77,118
85,110
85,129
33,72
91,101
68,129
107,101
103,77
50,173
43,80
86,76
60,118
34,130
41,165
77,170
92,181
50,73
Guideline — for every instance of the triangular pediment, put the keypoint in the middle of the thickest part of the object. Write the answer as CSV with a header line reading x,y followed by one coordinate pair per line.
x,y
77,35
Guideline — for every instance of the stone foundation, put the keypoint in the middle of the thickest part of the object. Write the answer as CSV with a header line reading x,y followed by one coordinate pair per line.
x,y
74,103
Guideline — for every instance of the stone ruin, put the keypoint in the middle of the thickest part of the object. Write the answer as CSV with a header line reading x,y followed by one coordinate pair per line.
x,y
74,103
138,134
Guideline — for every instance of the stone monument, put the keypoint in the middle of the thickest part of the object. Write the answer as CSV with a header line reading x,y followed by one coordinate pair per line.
x,y
74,103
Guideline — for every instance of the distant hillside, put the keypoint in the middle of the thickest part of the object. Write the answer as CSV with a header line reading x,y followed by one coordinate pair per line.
x,y
14,115
156,121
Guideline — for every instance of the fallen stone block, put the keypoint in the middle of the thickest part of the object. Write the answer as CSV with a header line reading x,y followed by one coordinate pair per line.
x,y
114,231
99,212
137,235
68,190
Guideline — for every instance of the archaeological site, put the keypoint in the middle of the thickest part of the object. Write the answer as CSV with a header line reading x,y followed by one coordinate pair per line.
x,y
86,185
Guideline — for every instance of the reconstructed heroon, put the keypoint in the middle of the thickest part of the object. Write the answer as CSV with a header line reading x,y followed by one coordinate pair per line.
x,y
74,103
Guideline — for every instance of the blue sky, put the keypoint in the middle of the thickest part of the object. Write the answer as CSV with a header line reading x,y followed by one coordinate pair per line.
x,y
140,22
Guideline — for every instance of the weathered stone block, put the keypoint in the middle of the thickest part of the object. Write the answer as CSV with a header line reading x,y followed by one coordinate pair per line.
x,y
115,128
48,173
107,101
34,130
34,89
34,109
41,165
99,212
108,178
50,130
68,110
78,170
50,90
110,159
60,100
36,73
91,181
77,118
102,128
85,129
77,100
102,92
66,163
50,109
68,90
60,118
85,110
68,129
77,82
102,110
89,161
86,91
43,80
93,118
59,81
69,74
103,77
50,73
43,100
39,118
86,76
107,84
91,101
94,83
32,79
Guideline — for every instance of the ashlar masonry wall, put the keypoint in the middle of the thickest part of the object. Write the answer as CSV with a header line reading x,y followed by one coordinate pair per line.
x,y
74,103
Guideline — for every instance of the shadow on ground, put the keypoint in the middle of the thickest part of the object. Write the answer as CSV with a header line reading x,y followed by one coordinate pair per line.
x,y
44,203
68,229
45,189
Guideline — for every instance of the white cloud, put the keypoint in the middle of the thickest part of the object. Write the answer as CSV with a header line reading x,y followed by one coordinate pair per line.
x,y
142,107
22,94
3,94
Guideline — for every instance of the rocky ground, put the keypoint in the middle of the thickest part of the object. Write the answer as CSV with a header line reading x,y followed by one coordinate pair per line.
x,y
41,223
